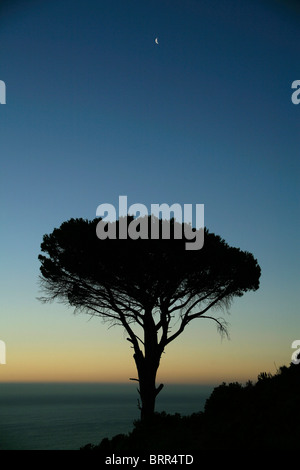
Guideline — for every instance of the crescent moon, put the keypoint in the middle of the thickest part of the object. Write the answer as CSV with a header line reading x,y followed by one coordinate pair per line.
x,y
156,40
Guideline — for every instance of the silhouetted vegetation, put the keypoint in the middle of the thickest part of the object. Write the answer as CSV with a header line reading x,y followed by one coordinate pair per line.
x,y
152,287
264,415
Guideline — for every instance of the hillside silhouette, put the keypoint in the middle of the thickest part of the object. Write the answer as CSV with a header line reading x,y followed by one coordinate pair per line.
x,y
264,415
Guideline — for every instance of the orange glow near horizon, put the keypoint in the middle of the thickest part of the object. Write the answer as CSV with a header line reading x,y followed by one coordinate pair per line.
x,y
116,365
61,347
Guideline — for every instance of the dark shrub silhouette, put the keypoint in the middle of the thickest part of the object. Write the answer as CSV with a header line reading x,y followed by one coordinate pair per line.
x,y
263,415
260,416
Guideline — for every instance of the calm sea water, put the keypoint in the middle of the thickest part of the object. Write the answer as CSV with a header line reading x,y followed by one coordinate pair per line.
x,y
68,416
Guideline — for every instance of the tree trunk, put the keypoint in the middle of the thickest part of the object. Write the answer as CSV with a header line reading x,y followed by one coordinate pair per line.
x,y
147,365
148,391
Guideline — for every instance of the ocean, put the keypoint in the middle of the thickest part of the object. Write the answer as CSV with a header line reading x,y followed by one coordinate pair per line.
x,y
66,416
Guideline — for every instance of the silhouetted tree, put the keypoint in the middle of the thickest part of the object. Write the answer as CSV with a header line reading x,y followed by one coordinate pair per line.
x,y
153,288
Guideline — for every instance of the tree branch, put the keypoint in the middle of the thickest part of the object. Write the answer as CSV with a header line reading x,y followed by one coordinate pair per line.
x,y
222,325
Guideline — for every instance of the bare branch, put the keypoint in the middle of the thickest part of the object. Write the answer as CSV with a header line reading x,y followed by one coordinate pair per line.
x,y
222,325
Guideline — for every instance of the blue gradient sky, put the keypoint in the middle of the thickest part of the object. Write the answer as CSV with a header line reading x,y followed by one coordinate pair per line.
x,y
95,109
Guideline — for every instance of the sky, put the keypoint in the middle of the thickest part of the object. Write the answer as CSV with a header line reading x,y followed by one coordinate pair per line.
x,y
95,109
